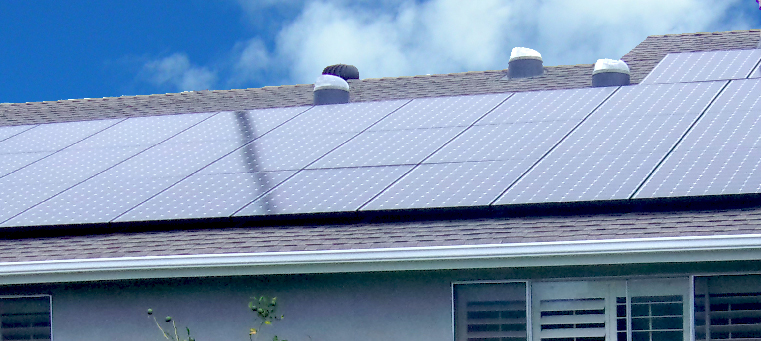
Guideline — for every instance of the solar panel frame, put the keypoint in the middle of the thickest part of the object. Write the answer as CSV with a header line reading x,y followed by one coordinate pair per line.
x,y
96,200
440,112
11,131
325,191
704,66
388,147
453,184
339,118
720,154
649,127
206,196
53,137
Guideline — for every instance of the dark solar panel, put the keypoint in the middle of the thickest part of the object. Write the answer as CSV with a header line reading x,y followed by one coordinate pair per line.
x,y
97,200
52,137
29,186
278,152
612,152
325,190
391,147
438,112
8,132
721,154
339,118
206,195
450,185
704,66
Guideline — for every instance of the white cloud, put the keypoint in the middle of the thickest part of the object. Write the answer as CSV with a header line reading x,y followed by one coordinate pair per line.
x,y
442,36
177,72
391,38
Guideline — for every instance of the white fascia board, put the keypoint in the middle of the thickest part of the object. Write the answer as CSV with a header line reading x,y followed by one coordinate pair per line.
x,y
619,251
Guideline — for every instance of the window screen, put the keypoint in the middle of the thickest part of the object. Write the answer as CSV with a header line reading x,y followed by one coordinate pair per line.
x,y
25,318
728,307
490,312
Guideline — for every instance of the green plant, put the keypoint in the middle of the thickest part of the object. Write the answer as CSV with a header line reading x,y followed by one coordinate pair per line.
x,y
167,335
266,313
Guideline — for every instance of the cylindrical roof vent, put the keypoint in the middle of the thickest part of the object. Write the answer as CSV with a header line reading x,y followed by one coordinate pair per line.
x,y
610,72
525,62
329,89
344,71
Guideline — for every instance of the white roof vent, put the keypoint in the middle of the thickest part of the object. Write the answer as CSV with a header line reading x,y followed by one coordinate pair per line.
x,y
610,72
524,52
525,62
329,89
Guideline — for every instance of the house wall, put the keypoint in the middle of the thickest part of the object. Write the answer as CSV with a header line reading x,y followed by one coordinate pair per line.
x,y
359,306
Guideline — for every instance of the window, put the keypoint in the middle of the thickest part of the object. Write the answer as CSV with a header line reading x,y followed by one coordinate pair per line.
x,y
615,310
25,318
490,312
728,307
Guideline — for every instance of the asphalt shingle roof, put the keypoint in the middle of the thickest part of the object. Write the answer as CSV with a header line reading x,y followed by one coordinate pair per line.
x,y
386,235
641,60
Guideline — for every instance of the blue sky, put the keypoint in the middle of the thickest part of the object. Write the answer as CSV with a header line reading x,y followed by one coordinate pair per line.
x,y
55,50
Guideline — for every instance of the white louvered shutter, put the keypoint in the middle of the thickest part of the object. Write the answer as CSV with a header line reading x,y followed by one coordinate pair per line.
x,y
25,318
728,308
575,311
490,312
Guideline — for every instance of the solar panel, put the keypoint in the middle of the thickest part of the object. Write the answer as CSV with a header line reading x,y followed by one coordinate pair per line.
x,y
52,137
325,190
141,131
450,185
438,112
8,132
392,147
206,195
14,162
243,126
721,154
339,118
704,66
278,152
611,153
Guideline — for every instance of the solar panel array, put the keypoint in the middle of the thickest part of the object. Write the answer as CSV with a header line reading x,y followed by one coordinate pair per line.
x,y
687,131
704,66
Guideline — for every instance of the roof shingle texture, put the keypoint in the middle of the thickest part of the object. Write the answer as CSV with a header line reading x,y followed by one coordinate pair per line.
x,y
373,236
642,59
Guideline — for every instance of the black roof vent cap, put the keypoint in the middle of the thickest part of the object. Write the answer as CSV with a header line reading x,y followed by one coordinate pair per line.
x,y
610,72
525,62
344,71
329,89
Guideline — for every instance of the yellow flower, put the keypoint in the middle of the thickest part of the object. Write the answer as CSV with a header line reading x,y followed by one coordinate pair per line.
x,y
267,322
252,332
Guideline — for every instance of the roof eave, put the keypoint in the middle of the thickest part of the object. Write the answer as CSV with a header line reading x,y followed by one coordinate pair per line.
x,y
619,251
